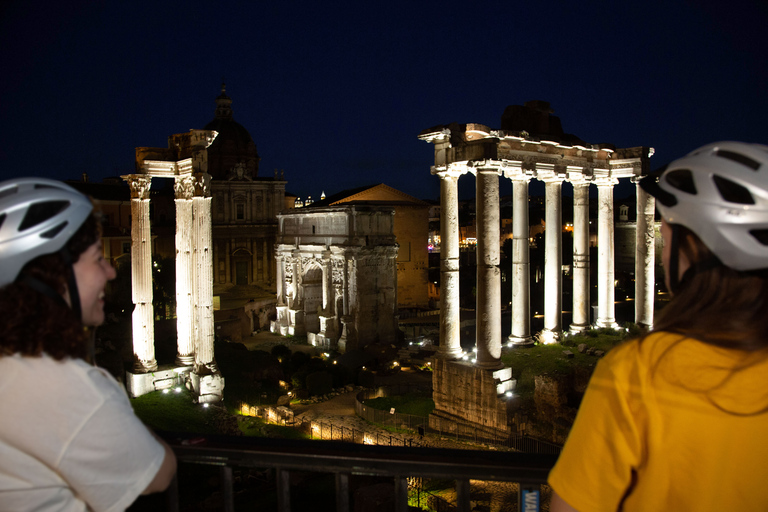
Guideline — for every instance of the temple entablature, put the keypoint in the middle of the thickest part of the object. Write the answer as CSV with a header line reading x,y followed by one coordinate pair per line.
x,y
186,153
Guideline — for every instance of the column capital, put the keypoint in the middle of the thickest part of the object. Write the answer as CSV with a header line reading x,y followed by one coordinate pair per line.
x,y
139,184
576,176
548,173
184,187
604,178
450,171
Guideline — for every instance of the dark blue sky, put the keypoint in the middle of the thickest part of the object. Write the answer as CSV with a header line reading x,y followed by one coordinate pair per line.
x,y
336,96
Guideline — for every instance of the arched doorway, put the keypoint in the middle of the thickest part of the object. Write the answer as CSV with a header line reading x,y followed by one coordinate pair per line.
x,y
313,297
241,266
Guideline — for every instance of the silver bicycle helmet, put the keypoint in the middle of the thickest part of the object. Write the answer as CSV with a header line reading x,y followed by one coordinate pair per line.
x,y
719,192
37,216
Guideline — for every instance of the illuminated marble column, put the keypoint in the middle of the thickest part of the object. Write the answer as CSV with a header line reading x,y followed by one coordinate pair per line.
x,y
581,305
184,191
203,271
645,273
143,318
327,317
488,307
520,334
450,342
553,261
280,263
605,254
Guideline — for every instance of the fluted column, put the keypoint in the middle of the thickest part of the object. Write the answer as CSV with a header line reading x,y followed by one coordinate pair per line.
x,y
201,210
450,342
645,272
520,334
606,316
581,305
280,285
143,318
488,309
184,191
553,261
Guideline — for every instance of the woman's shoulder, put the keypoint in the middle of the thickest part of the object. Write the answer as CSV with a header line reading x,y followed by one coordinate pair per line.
x,y
41,372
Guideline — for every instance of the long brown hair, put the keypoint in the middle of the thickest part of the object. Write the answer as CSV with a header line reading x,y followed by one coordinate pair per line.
x,y
720,306
33,323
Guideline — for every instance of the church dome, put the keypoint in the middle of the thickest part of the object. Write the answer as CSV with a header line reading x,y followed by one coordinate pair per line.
x,y
233,154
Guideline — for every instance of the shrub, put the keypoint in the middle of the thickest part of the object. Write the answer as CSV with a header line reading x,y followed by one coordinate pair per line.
x,y
319,383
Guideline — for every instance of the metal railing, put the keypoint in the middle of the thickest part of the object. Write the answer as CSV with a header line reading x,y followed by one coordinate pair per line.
x,y
346,459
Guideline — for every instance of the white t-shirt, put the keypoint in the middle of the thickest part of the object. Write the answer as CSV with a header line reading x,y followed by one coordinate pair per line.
x,y
69,440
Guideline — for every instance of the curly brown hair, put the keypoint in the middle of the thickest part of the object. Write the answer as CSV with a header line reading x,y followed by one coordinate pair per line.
x,y
34,323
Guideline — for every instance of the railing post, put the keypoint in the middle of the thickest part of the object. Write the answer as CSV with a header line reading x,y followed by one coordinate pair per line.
x,y
172,495
226,488
401,494
342,492
462,495
283,490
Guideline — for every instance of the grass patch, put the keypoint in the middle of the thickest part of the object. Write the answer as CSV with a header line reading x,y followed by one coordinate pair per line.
x,y
541,359
256,427
417,405
174,412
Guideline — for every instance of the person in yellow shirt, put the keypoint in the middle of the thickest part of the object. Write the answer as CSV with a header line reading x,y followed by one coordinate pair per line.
x,y
677,419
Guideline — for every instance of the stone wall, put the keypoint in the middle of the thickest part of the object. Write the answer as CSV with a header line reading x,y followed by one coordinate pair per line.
x,y
467,395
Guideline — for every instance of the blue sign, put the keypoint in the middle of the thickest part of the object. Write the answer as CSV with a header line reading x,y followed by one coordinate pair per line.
x,y
530,499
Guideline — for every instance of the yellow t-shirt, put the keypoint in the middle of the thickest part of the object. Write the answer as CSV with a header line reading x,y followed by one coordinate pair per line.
x,y
672,424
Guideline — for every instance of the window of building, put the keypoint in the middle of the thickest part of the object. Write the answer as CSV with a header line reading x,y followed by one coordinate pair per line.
x,y
240,211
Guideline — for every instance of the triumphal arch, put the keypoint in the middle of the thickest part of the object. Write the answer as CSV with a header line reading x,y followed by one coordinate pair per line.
x,y
530,146
337,275
186,162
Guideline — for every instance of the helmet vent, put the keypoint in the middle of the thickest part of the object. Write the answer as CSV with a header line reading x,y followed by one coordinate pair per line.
x,y
51,233
682,179
2,219
732,192
738,158
8,192
761,235
40,212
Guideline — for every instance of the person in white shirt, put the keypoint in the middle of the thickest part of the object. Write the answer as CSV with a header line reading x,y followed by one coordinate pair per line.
x,y
69,440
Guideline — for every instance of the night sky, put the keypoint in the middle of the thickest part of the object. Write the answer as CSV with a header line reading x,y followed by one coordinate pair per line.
x,y
336,96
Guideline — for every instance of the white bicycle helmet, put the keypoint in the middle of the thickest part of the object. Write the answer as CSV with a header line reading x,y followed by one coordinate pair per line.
x,y
719,192
37,216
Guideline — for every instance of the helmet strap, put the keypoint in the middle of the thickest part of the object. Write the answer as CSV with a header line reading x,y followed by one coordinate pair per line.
x,y
674,281
74,294
42,288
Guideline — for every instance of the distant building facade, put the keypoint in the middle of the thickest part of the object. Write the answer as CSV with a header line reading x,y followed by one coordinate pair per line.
x,y
245,205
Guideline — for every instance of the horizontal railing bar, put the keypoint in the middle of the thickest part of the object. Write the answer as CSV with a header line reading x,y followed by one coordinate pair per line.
x,y
338,457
